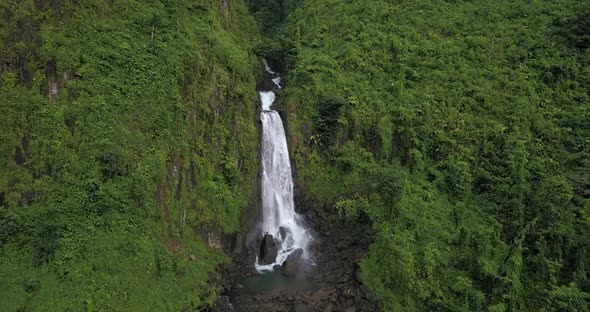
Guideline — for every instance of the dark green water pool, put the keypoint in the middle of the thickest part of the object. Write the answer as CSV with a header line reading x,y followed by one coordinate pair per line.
x,y
270,281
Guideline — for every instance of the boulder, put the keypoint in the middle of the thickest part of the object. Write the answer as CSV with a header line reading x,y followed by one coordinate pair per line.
x,y
284,231
301,307
222,305
276,267
321,295
291,266
296,254
268,250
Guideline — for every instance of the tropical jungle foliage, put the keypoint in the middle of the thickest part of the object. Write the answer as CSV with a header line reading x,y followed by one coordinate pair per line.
x,y
128,148
461,129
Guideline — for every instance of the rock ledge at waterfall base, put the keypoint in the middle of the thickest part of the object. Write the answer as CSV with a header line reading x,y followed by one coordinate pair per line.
x,y
336,249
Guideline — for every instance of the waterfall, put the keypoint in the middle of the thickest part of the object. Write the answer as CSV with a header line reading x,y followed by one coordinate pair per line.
x,y
278,208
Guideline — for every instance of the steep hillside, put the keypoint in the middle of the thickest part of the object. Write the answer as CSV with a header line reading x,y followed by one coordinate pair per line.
x,y
129,150
458,131
461,130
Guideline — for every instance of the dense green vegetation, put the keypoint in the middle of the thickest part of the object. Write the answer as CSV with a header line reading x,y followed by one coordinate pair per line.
x,y
461,129
128,149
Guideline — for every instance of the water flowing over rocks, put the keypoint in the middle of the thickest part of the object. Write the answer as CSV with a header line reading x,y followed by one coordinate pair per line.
x,y
322,275
335,281
279,218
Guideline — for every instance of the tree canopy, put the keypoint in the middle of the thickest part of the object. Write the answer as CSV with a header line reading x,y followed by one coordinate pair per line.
x,y
461,128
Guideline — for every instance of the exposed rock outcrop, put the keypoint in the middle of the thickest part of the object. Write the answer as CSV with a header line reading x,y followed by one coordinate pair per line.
x,y
268,250
223,305
292,265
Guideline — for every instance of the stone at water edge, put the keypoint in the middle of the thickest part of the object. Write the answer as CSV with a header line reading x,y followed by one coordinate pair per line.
x,y
291,266
222,305
276,267
268,250
296,254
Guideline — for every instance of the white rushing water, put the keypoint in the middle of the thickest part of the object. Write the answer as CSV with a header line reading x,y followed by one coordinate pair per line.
x,y
277,79
278,207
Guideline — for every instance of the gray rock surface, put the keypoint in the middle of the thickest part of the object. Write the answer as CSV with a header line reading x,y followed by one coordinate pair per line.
x,y
268,250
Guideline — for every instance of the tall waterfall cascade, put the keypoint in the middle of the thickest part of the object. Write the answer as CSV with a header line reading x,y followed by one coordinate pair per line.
x,y
278,208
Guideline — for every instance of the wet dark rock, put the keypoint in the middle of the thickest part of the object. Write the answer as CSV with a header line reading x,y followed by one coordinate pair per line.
x,y
343,278
268,250
293,263
301,307
283,232
276,267
358,275
222,305
321,295
289,268
296,254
